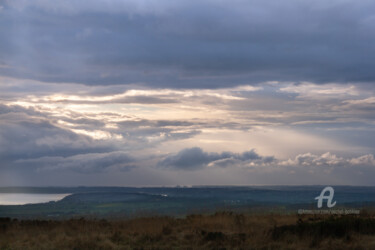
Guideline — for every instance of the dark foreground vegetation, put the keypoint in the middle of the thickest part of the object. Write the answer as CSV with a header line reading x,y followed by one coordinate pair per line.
x,y
223,230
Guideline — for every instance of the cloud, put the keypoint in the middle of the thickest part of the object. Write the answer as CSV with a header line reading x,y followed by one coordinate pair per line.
x,y
83,83
141,96
329,160
47,140
30,140
195,158
57,139
27,133
83,163
188,44
360,105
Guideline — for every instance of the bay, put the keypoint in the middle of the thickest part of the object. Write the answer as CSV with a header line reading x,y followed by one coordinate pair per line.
x,y
28,198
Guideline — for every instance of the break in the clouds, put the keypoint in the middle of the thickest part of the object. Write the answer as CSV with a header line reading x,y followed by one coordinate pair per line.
x,y
184,44
146,93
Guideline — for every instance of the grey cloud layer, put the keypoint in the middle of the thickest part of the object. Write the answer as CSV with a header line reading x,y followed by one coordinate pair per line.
x,y
51,139
83,163
196,158
332,110
26,133
159,93
37,139
318,165
189,43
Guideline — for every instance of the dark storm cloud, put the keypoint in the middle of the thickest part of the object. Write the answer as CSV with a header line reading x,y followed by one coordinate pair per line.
x,y
195,158
189,43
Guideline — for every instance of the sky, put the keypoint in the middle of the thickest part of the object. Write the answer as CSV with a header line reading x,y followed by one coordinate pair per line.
x,y
166,93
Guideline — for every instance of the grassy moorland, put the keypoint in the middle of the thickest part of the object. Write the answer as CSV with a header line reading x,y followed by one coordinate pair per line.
x,y
223,230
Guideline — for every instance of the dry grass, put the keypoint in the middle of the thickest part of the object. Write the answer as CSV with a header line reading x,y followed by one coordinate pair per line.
x,y
218,231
